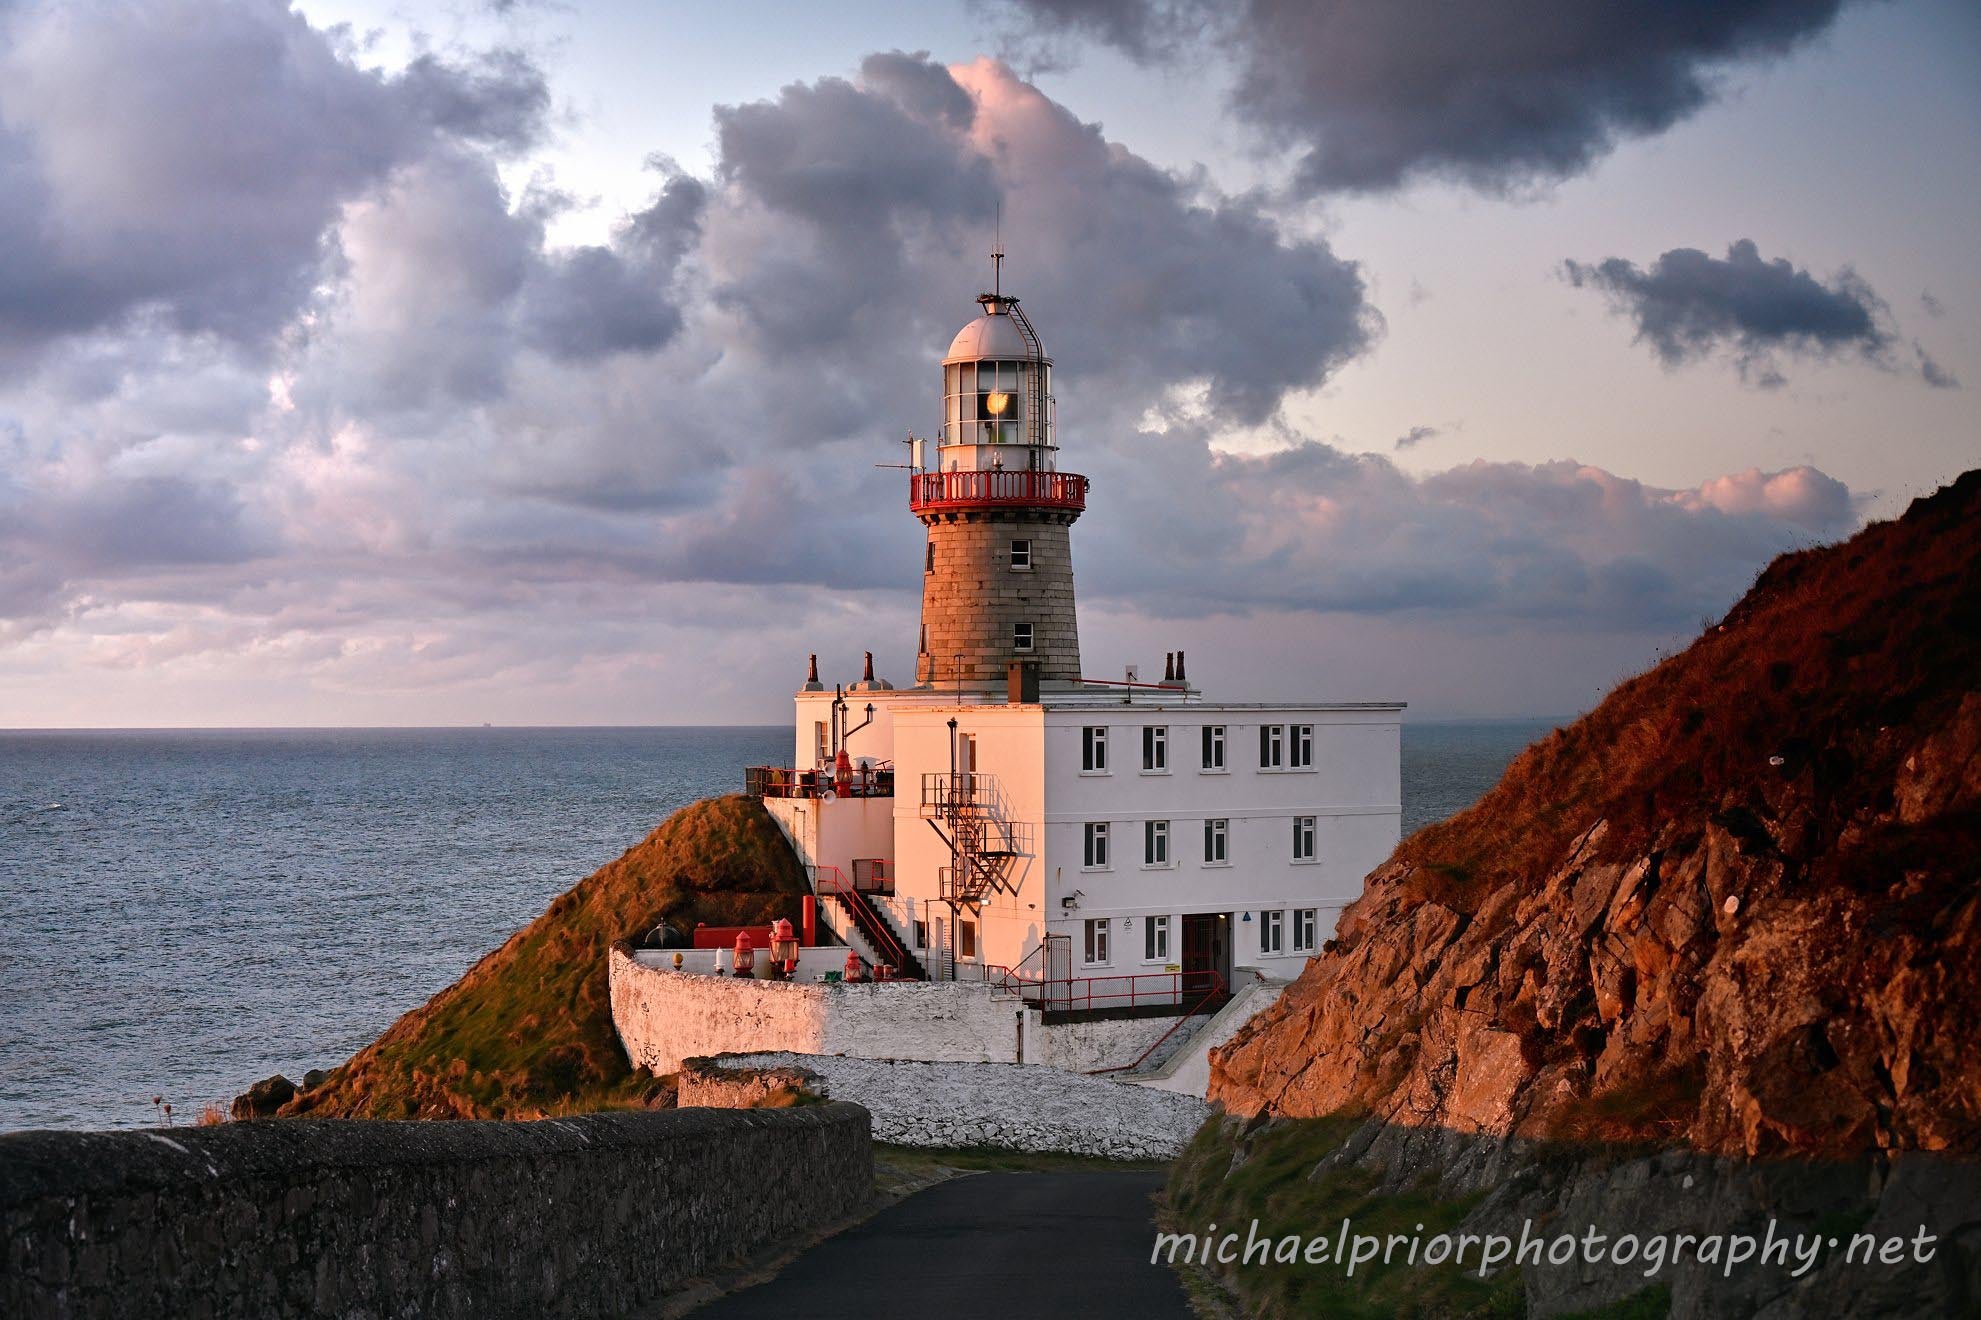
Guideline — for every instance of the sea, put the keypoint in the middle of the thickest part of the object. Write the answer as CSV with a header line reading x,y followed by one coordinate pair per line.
x,y
184,912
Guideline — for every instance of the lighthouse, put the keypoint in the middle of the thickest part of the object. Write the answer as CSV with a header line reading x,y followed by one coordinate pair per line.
x,y
997,571
1120,846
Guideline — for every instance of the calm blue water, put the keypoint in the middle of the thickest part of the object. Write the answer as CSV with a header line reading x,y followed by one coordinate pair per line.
x,y
182,913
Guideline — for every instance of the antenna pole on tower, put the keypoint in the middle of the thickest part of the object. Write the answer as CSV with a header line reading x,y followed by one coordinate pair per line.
x,y
997,253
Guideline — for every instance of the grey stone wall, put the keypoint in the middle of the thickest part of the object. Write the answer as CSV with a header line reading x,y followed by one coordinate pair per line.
x,y
972,597
605,1214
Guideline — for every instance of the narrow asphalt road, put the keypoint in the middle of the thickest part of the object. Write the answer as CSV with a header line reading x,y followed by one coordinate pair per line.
x,y
993,1245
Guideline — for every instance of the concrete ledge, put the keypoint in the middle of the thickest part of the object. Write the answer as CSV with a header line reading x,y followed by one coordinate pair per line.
x,y
604,1214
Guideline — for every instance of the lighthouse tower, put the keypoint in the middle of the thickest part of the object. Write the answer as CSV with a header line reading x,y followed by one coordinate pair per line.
x,y
997,582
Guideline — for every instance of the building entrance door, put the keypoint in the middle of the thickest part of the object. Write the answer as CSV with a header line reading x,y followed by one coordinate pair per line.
x,y
1206,948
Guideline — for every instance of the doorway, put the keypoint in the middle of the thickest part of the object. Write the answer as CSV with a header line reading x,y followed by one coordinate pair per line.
x,y
1206,948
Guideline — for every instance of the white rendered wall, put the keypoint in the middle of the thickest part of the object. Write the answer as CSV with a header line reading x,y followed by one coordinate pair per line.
x,y
1353,790
664,1016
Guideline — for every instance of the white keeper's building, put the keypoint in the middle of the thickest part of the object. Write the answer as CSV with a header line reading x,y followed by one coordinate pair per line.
x,y
1118,842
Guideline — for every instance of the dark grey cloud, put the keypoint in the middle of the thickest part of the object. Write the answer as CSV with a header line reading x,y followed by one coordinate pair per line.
x,y
1415,436
1372,94
1931,371
1687,305
190,159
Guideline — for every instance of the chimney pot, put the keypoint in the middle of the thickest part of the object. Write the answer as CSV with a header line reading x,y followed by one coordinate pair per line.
x,y
1180,677
812,670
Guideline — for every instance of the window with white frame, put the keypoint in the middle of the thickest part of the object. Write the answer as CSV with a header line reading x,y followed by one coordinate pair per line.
x,y
1272,746
1021,555
1155,747
1021,636
1097,951
1217,834
820,752
1304,926
1303,838
966,939
1155,843
1272,926
1302,748
1093,750
1096,845
1155,939
1213,747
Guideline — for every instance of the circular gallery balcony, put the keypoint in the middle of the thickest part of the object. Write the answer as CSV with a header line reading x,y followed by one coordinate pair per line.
x,y
962,492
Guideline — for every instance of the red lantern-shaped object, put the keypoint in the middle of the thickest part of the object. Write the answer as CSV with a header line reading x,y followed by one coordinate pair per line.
x,y
784,945
842,772
746,954
856,968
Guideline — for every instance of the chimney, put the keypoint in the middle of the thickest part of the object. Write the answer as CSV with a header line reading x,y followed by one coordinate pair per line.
x,y
1169,666
868,675
812,671
1180,677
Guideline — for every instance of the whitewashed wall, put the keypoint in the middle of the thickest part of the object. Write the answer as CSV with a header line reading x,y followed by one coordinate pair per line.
x,y
663,1016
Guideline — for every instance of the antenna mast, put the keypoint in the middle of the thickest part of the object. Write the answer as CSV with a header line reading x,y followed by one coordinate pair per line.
x,y
997,252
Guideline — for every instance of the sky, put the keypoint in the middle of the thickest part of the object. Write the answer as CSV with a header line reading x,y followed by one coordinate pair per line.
x,y
533,363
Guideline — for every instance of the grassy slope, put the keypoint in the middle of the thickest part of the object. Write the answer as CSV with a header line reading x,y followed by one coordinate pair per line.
x,y
528,1030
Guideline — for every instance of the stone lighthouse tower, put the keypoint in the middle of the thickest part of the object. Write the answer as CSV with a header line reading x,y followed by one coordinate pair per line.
x,y
997,581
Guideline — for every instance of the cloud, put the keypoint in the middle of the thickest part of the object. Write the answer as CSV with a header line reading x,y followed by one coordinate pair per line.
x,y
1931,371
1373,94
189,158
1689,306
1415,436
377,433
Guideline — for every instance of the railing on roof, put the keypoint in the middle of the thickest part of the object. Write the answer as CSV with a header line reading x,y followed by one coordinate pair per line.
x,y
996,488
771,781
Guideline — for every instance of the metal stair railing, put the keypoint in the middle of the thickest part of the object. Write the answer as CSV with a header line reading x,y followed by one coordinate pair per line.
x,y
869,921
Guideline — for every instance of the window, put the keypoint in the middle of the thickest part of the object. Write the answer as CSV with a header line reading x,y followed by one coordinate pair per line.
x,y
1215,834
966,753
1303,838
1303,930
1155,747
1303,747
819,752
1271,926
1213,747
1155,939
929,565
1096,941
1155,843
966,939
1093,751
1021,555
1272,742
921,934
1021,636
1096,845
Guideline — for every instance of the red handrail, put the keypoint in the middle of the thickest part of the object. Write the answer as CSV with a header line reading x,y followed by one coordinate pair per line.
x,y
831,880
996,487
1217,989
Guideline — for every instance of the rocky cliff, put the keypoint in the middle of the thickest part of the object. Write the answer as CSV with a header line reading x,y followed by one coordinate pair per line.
x,y
1734,908
527,1031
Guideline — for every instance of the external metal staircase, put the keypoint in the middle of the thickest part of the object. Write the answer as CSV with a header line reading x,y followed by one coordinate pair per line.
x,y
1035,417
967,811
889,949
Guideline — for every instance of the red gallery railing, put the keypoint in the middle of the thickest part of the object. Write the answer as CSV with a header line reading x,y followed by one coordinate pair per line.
x,y
996,488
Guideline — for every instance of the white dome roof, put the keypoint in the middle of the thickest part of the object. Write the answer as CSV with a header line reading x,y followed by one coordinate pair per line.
x,y
989,336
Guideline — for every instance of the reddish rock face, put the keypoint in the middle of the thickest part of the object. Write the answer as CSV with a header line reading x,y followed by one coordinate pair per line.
x,y
1736,906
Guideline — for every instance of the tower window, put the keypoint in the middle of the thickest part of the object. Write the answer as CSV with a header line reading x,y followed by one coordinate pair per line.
x,y
1021,636
1021,554
929,567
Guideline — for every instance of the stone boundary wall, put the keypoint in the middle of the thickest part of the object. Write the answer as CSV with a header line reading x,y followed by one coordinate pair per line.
x,y
606,1214
949,1105
664,1017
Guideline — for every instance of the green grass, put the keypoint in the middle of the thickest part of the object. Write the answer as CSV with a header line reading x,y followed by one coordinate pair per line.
x,y
527,1032
1274,1184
